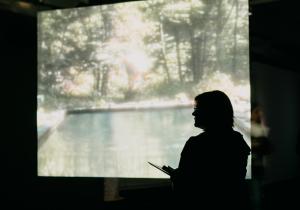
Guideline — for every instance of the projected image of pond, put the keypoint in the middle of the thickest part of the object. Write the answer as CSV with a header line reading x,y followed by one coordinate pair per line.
x,y
116,144
142,56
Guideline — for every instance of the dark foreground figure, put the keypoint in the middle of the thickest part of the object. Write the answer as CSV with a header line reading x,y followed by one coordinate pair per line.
x,y
212,169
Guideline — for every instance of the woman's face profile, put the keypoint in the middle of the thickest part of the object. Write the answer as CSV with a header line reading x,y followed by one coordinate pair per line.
x,y
198,116
213,110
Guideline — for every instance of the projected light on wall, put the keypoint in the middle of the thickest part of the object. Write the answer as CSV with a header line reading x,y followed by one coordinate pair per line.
x,y
116,82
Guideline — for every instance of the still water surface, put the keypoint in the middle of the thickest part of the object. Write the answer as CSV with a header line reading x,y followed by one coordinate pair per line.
x,y
116,144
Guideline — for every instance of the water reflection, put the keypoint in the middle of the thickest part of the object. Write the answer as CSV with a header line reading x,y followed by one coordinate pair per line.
x,y
116,144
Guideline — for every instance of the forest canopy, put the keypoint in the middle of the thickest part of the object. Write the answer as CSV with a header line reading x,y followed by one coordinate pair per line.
x,y
157,50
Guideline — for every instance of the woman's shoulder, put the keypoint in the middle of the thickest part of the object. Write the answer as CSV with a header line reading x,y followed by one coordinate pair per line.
x,y
198,138
240,141
194,143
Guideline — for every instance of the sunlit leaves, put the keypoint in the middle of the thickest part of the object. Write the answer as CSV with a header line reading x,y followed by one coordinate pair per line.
x,y
128,51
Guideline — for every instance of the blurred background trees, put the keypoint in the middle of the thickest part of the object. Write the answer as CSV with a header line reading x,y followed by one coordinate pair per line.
x,y
88,57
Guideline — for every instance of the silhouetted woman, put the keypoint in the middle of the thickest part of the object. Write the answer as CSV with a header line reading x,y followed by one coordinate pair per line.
x,y
212,167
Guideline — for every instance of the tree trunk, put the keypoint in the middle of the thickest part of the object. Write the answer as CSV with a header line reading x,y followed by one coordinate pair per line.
x,y
196,75
178,55
104,82
235,36
97,81
107,24
218,43
163,51
201,44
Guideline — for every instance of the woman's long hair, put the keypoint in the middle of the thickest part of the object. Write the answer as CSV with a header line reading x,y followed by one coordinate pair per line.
x,y
216,109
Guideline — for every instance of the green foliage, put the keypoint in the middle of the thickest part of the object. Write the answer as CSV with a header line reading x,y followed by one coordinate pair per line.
x,y
139,50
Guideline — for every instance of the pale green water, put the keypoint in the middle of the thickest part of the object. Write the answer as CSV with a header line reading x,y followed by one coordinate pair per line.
x,y
116,144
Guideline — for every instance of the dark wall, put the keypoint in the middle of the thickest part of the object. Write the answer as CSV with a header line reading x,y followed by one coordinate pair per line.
x,y
275,79
278,92
274,34
18,86
22,187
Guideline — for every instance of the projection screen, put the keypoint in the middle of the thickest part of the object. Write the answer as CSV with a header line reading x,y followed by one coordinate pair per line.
x,y
116,82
